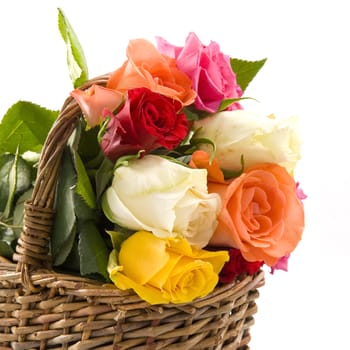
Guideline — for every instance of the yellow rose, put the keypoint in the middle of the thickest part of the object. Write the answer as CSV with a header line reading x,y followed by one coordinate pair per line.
x,y
166,270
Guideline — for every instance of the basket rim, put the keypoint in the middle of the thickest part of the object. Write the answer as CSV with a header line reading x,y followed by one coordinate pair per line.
x,y
85,287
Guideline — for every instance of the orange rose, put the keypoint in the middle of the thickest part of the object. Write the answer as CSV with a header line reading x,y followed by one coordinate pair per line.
x,y
146,67
261,213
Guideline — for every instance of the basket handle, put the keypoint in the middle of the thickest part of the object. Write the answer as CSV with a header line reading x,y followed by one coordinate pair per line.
x,y
33,246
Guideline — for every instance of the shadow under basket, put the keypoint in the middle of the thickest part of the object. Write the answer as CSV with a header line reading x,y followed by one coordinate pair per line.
x,y
44,309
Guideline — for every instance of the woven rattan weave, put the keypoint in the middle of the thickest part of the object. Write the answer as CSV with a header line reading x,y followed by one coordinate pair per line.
x,y
43,309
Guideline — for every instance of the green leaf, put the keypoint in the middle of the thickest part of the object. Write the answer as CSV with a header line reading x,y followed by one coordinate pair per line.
x,y
225,103
72,263
66,246
25,125
82,211
93,164
194,114
77,65
89,148
15,178
92,250
178,152
6,250
103,177
7,239
83,188
74,139
64,228
118,237
203,141
124,160
190,115
230,174
112,260
246,70
12,182
18,212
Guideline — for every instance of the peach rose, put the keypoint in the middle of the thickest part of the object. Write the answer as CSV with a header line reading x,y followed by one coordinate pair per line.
x,y
261,213
94,100
147,67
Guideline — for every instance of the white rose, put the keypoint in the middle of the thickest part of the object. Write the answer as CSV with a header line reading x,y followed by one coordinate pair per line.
x,y
257,137
163,197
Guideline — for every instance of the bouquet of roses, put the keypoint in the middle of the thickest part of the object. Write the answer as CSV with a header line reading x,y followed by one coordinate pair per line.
x,y
167,186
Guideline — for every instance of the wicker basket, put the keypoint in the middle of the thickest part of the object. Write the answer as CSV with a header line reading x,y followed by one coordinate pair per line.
x,y
43,309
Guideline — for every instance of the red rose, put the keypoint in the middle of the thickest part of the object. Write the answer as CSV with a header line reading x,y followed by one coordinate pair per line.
x,y
147,121
236,266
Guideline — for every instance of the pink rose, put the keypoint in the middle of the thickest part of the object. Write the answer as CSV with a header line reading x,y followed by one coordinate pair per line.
x,y
147,121
209,69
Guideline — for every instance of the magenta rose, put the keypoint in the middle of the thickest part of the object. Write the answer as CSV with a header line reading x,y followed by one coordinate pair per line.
x,y
147,121
282,264
209,69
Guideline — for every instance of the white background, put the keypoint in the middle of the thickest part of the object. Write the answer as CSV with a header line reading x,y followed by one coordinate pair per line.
x,y
307,73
